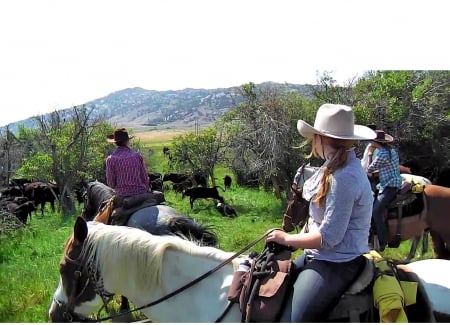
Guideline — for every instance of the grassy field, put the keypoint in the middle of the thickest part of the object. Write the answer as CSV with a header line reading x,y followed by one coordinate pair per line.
x,y
29,258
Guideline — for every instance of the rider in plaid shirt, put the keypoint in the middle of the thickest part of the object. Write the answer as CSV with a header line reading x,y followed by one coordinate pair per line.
x,y
387,165
126,171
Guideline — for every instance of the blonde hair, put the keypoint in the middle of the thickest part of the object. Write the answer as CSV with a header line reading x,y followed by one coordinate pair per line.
x,y
336,162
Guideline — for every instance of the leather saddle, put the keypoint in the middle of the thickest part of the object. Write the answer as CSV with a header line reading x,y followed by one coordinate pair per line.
x,y
405,217
118,210
358,303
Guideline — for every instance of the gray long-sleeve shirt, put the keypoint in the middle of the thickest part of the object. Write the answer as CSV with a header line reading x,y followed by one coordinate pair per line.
x,y
345,221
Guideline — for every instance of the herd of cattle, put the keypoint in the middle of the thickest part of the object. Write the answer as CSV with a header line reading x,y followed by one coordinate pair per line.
x,y
195,187
23,197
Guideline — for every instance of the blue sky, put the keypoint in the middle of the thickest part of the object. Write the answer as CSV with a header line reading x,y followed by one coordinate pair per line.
x,y
60,53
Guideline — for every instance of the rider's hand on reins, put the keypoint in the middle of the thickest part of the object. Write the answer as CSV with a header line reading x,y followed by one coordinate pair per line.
x,y
277,236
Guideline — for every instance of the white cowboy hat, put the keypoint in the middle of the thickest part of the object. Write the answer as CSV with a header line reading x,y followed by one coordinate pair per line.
x,y
336,121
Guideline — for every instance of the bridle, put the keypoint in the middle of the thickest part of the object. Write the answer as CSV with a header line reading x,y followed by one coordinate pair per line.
x,y
83,267
92,275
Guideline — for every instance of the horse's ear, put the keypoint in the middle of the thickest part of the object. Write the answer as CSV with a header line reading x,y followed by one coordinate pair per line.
x,y
80,230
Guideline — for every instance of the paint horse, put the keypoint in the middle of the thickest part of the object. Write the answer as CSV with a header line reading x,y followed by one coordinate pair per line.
x,y
162,275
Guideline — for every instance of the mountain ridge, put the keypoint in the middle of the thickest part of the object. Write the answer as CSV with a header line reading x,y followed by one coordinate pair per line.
x,y
140,108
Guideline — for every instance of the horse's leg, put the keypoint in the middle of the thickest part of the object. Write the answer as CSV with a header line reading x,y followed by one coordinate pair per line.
x,y
425,241
439,246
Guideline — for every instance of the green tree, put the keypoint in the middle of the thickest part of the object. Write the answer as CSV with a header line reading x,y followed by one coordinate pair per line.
x,y
198,153
413,106
12,151
65,148
262,133
327,90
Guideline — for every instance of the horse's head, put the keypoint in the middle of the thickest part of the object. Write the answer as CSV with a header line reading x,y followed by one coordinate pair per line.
x,y
96,194
75,297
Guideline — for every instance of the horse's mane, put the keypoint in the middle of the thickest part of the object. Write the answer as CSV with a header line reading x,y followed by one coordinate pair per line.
x,y
140,252
97,193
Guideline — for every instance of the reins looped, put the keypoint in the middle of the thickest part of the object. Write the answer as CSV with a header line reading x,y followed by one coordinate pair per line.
x,y
195,281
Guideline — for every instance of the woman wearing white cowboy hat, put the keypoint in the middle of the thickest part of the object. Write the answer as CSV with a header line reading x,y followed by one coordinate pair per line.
x,y
340,214
390,181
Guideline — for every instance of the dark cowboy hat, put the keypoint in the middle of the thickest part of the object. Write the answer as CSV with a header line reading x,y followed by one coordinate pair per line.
x,y
383,137
120,135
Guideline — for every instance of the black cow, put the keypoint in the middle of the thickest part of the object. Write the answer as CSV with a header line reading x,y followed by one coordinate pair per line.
x,y
79,189
201,179
227,182
156,185
183,186
155,181
166,151
22,211
11,192
40,193
19,182
153,176
202,193
79,195
226,210
20,200
175,177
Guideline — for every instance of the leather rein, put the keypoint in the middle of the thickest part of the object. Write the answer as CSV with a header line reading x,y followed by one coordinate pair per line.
x,y
70,316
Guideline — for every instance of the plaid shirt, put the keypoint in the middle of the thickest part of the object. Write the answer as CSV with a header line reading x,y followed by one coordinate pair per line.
x,y
387,166
126,172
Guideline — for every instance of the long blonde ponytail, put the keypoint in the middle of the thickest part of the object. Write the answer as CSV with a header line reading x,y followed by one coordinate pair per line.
x,y
338,160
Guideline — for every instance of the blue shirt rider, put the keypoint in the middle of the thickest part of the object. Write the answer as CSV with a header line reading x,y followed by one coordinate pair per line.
x,y
390,181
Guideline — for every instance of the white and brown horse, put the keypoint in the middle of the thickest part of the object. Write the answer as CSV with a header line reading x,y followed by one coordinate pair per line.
x,y
100,260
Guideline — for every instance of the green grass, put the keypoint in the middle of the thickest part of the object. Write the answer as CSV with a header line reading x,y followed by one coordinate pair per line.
x,y
29,258
257,212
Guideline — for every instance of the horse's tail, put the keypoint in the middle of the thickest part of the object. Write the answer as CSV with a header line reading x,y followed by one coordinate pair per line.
x,y
189,229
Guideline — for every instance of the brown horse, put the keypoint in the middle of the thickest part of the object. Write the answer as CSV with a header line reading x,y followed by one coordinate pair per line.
x,y
434,217
412,216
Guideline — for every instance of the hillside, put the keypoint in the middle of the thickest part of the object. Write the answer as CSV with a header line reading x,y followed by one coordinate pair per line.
x,y
144,109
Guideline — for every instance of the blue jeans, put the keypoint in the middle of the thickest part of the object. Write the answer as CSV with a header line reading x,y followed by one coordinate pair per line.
x,y
318,288
379,206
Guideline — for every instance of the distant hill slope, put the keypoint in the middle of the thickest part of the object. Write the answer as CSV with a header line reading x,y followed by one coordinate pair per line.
x,y
150,109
